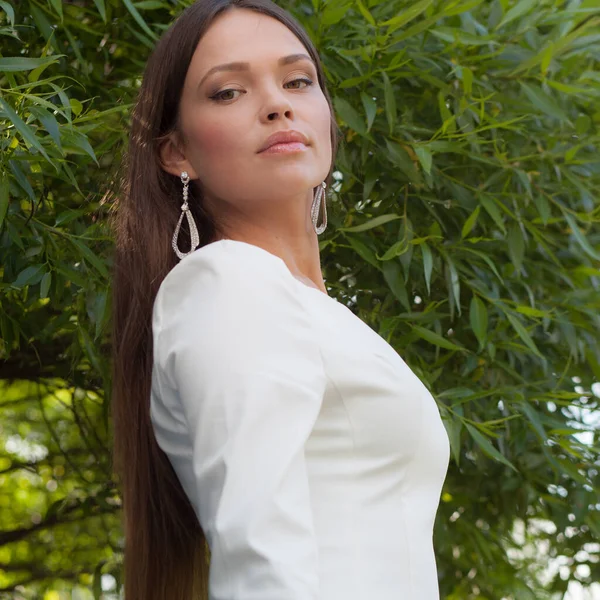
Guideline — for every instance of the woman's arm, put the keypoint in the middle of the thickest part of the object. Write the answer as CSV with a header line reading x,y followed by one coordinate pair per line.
x,y
237,346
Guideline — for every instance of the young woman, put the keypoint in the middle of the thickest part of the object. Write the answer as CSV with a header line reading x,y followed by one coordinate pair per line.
x,y
253,411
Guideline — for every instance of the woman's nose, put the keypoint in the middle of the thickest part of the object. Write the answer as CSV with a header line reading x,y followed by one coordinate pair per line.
x,y
277,104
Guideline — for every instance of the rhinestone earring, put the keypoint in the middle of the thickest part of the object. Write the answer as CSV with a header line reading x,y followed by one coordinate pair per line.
x,y
316,207
195,239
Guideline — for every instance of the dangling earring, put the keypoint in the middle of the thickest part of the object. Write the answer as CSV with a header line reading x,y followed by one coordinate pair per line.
x,y
315,208
195,239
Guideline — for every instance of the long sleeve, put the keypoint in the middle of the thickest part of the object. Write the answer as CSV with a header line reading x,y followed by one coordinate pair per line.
x,y
240,366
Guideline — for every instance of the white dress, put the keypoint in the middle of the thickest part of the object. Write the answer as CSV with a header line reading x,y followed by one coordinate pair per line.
x,y
313,456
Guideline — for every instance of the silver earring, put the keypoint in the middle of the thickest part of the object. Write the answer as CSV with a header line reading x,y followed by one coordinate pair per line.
x,y
316,207
195,239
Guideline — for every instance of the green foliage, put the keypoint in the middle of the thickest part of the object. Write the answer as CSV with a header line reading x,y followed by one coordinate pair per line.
x,y
463,228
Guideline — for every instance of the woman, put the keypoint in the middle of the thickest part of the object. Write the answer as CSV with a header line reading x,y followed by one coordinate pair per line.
x,y
249,406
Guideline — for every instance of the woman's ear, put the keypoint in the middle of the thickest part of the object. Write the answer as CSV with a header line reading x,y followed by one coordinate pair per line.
x,y
172,157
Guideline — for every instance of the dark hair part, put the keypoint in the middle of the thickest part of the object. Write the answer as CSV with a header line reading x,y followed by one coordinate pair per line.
x,y
166,555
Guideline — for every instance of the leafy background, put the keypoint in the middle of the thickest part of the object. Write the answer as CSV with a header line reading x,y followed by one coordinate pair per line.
x,y
463,227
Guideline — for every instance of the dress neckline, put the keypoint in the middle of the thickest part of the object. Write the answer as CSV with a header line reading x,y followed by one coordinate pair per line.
x,y
304,285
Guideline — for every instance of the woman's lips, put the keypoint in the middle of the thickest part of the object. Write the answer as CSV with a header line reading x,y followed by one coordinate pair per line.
x,y
285,148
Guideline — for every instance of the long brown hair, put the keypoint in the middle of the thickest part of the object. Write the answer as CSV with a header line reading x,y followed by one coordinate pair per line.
x,y
166,555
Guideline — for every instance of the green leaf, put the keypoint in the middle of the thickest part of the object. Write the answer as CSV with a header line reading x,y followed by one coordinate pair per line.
x,y
467,79
434,338
487,447
28,276
349,115
425,158
57,6
400,157
9,10
534,418
75,138
454,282
518,10
478,317
48,120
17,63
150,5
454,35
427,265
524,335
363,251
45,285
390,101
407,16
580,238
365,13
491,208
543,101
470,223
453,429
140,20
371,223
91,258
516,245
101,8
25,130
334,13
4,199
370,109
393,276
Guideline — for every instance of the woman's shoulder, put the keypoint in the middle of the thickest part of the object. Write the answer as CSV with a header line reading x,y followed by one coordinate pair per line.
x,y
223,275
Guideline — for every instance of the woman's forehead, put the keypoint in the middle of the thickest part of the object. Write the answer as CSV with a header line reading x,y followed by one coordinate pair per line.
x,y
245,35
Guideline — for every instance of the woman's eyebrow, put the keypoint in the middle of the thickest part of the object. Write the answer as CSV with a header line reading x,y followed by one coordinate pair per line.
x,y
245,66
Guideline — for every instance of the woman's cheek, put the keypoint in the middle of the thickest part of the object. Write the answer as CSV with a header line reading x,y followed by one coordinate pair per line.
x,y
214,138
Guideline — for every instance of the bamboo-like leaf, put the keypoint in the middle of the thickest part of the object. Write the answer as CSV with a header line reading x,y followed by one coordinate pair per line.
x,y
101,8
524,334
349,115
407,16
487,447
3,196
520,9
90,257
580,238
370,109
427,265
363,251
491,208
45,284
434,338
393,276
365,12
140,20
12,64
478,316
470,223
371,223
543,102
49,122
516,245
57,5
390,101
9,10
425,158
24,130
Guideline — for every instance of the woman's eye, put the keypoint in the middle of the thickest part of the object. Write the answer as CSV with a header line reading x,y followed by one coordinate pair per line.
x,y
219,97
305,80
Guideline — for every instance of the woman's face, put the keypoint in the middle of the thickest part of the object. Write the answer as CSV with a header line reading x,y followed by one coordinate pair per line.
x,y
227,115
